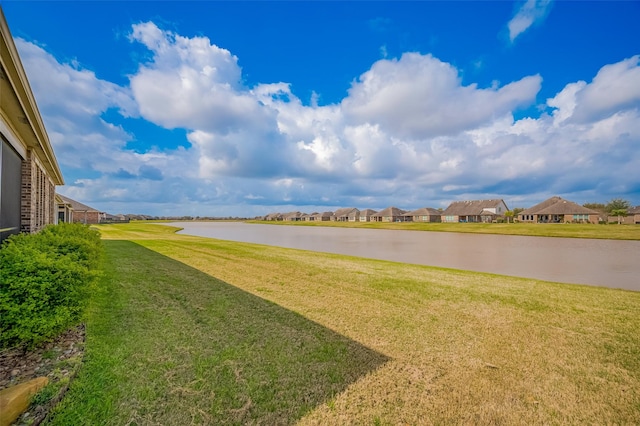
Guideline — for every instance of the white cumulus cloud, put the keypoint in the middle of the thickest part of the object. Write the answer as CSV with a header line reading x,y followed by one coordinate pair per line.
x,y
616,87
419,96
190,83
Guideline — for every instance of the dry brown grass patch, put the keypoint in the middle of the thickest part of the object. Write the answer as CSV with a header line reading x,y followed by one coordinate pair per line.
x,y
464,347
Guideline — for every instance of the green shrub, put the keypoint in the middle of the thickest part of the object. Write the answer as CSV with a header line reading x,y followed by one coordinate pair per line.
x,y
45,282
76,241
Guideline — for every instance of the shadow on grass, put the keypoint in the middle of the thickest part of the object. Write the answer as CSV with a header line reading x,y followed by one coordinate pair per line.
x,y
169,344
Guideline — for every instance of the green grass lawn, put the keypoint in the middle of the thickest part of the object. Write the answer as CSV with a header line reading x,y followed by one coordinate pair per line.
x,y
188,330
567,230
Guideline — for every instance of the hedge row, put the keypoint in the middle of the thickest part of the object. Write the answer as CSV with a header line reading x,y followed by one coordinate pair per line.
x,y
45,282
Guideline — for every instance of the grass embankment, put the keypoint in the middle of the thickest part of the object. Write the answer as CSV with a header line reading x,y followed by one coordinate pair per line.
x,y
567,230
190,330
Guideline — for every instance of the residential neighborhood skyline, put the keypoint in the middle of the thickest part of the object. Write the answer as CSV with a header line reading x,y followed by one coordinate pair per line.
x,y
169,109
553,210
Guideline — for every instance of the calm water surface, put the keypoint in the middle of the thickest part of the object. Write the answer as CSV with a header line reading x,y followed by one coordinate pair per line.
x,y
608,263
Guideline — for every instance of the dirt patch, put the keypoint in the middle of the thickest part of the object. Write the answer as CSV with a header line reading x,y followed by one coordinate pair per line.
x,y
58,360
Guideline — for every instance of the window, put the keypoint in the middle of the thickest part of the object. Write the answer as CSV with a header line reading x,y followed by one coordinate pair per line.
x,y
10,182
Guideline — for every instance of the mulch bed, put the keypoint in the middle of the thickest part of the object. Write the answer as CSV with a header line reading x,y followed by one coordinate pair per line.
x,y
51,359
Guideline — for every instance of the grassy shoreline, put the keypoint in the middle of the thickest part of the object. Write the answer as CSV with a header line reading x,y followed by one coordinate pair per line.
x,y
563,230
192,330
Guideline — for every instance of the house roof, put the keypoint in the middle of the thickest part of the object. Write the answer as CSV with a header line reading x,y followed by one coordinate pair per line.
x,y
557,205
471,208
344,211
76,205
59,200
291,214
323,214
367,212
634,210
389,212
425,211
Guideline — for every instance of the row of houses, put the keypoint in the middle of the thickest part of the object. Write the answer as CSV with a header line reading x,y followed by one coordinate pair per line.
x,y
352,214
458,211
553,210
70,210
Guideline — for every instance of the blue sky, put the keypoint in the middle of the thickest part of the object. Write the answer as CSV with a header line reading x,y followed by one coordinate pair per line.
x,y
245,108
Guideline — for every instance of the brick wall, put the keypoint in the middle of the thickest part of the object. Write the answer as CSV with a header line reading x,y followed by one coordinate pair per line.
x,y
37,208
86,217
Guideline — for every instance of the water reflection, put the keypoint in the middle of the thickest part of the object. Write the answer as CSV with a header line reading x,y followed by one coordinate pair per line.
x,y
609,263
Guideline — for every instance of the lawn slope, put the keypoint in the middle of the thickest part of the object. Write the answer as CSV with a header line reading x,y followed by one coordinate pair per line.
x,y
168,344
189,330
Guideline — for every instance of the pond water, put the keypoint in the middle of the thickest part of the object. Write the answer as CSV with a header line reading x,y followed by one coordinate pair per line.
x,y
607,263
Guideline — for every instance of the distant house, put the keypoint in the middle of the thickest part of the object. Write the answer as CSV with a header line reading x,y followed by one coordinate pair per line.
x,y
114,218
634,215
365,215
292,217
558,210
273,216
390,214
29,171
65,210
425,214
322,217
353,215
83,213
343,215
474,211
